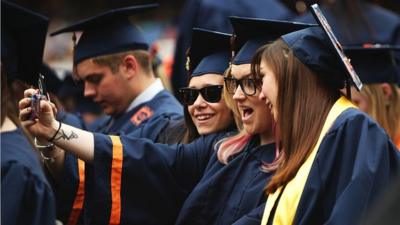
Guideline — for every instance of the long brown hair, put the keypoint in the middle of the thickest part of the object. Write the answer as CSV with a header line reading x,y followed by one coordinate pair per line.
x,y
8,102
304,100
9,105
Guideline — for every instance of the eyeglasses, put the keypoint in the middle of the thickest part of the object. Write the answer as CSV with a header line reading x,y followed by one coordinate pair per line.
x,y
210,93
248,86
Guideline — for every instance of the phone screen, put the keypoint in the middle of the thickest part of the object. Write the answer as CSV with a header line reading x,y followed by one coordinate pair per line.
x,y
338,48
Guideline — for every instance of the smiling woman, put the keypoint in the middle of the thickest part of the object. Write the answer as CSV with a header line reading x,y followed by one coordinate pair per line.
x,y
335,159
205,109
209,112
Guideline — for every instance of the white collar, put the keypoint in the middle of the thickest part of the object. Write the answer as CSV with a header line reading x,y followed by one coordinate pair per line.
x,y
148,94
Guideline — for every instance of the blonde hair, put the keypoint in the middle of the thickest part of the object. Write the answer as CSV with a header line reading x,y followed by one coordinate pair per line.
x,y
233,144
385,111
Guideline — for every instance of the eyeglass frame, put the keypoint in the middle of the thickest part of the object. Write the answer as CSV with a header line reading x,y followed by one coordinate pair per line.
x,y
203,92
239,82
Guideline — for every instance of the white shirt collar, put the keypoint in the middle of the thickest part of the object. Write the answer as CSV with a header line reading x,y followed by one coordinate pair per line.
x,y
148,94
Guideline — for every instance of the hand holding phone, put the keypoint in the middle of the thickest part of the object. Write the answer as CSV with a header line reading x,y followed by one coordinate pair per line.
x,y
36,98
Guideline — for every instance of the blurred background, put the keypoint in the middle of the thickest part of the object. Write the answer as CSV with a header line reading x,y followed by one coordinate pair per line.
x,y
160,25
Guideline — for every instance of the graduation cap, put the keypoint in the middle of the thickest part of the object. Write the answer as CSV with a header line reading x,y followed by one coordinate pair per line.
x,y
22,43
318,48
252,33
209,52
378,25
108,33
375,63
53,82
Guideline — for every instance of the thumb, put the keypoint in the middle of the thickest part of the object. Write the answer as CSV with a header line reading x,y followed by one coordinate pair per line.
x,y
45,106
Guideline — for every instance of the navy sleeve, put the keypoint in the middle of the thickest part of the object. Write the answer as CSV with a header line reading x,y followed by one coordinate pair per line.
x,y
25,198
152,128
252,218
355,162
372,161
66,191
184,163
150,173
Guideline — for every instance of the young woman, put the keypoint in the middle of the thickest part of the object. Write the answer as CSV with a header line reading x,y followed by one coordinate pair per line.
x,y
378,69
223,182
205,110
334,159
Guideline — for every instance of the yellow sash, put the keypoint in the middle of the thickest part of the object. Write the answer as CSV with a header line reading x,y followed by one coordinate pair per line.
x,y
290,198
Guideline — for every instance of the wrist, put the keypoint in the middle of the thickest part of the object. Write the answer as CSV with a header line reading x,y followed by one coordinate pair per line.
x,y
55,129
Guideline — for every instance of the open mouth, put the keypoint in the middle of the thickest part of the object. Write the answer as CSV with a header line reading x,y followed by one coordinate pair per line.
x,y
203,117
246,113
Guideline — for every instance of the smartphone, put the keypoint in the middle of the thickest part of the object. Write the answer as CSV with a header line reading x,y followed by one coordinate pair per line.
x,y
320,18
36,98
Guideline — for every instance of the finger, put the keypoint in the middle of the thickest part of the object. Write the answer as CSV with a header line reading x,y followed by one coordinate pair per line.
x,y
45,106
29,92
24,103
27,123
54,108
25,113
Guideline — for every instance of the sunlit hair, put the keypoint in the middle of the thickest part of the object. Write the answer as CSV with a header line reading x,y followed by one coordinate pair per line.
x,y
113,61
232,105
232,145
304,100
385,111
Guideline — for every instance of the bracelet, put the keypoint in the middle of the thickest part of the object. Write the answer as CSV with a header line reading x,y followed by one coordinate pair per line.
x,y
48,159
41,148
54,136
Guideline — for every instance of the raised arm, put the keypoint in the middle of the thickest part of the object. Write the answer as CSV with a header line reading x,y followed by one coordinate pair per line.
x,y
48,129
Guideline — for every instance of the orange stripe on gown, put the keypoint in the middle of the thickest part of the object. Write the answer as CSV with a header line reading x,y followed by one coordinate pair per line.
x,y
116,176
80,195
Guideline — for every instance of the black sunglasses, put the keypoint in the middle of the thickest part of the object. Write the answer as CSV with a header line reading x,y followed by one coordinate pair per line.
x,y
248,85
210,93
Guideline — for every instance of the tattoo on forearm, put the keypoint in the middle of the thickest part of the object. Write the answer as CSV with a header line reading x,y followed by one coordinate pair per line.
x,y
63,135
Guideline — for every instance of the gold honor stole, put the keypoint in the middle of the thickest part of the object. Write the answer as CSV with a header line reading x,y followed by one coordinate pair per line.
x,y
290,198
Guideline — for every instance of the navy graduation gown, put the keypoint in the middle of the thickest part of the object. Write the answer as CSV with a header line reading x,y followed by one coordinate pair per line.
x,y
252,218
354,164
226,193
146,120
157,179
26,196
161,106
70,119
